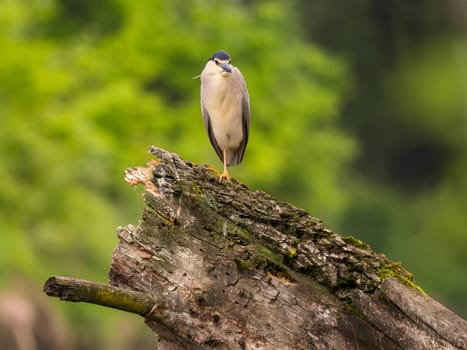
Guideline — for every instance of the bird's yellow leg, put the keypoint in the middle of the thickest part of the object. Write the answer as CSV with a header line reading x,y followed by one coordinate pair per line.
x,y
225,175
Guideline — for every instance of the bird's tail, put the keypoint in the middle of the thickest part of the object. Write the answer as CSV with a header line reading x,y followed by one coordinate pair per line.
x,y
235,156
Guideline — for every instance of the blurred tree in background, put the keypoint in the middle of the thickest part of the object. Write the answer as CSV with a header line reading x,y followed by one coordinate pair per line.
x,y
408,109
359,115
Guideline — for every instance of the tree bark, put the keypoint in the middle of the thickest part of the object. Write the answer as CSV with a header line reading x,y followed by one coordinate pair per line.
x,y
235,269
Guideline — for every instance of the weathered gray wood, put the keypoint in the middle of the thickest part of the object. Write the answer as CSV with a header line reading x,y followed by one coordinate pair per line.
x,y
237,269
427,312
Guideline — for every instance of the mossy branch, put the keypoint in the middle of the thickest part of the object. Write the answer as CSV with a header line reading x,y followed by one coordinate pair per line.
x,y
77,290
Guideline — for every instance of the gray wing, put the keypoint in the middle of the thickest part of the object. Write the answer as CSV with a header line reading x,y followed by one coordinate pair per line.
x,y
207,126
245,119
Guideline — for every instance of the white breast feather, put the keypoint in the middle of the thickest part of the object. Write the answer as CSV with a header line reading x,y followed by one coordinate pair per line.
x,y
224,106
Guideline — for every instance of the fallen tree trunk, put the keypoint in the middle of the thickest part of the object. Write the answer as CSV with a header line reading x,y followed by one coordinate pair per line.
x,y
217,266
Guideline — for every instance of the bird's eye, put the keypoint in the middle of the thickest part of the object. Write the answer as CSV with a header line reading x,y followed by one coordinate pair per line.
x,y
230,61
216,62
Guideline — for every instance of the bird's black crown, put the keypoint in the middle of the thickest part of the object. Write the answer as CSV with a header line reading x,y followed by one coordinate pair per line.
x,y
221,55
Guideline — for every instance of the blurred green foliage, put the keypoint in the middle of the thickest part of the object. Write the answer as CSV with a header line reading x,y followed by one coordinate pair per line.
x,y
85,89
86,86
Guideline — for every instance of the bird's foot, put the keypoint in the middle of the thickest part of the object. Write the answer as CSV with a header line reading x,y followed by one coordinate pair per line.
x,y
224,176
212,170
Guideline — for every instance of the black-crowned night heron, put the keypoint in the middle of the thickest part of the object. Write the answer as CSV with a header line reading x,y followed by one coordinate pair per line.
x,y
226,109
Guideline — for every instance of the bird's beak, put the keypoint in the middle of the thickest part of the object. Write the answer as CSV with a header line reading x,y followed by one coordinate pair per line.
x,y
226,67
